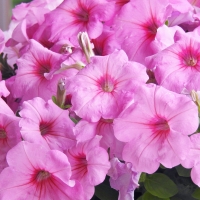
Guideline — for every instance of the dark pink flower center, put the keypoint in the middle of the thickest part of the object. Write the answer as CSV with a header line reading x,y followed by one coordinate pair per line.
x,y
82,13
160,126
151,28
191,61
44,69
45,128
107,84
83,16
189,56
2,133
79,166
42,175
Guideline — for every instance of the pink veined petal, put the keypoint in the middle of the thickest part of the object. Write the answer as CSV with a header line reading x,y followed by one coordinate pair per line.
x,y
137,25
40,126
3,89
171,152
85,130
9,136
149,127
123,178
79,16
105,87
143,153
193,154
41,174
89,162
178,66
35,74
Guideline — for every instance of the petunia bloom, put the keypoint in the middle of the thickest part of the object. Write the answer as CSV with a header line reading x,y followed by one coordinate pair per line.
x,y
9,132
105,86
156,128
72,17
89,163
35,172
123,178
177,67
137,24
46,124
35,75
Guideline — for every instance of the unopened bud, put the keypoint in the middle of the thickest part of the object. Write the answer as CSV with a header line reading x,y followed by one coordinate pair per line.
x,y
195,97
61,92
86,45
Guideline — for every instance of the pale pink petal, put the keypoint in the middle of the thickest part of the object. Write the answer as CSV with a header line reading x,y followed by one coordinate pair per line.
x,y
137,24
105,87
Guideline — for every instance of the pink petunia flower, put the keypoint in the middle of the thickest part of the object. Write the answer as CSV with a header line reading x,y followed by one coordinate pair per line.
x,y
105,86
9,132
178,66
123,178
35,172
89,163
46,124
77,16
137,24
35,75
156,128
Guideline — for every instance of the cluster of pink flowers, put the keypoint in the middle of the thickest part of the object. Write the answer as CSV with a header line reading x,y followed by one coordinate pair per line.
x,y
107,87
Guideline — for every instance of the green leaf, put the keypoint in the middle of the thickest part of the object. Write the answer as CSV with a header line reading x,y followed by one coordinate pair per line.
x,y
182,171
196,193
160,185
142,177
162,167
140,198
175,198
148,196
105,192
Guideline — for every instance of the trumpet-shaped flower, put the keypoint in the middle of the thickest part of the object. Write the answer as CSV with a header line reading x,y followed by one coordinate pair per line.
x,y
9,136
137,24
178,66
35,172
105,86
89,163
123,178
77,16
155,128
46,124
35,75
